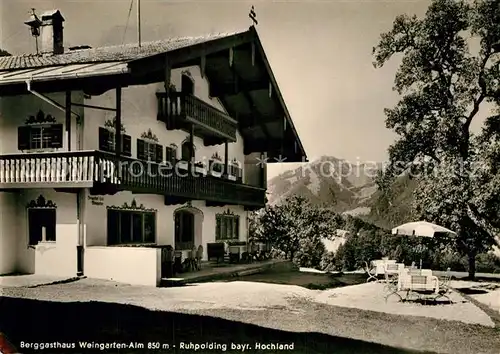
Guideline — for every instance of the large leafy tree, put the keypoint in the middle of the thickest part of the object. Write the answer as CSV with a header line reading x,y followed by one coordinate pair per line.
x,y
448,73
295,228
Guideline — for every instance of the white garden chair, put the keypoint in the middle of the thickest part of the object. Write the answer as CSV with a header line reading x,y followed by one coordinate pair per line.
x,y
371,272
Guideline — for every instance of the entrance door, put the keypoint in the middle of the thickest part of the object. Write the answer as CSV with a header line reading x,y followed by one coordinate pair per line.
x,y
184,230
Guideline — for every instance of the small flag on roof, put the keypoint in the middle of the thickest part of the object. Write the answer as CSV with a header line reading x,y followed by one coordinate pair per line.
x,y
253,16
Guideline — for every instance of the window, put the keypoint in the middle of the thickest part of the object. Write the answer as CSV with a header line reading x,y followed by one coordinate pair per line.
x,y
149,151
216,166
171,153
40,137
235,171
187,151
184,230
227,227
127,226
38,219
107,142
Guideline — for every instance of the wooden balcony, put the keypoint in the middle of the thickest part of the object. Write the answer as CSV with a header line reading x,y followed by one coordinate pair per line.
x,y
75,169
178,110
105,173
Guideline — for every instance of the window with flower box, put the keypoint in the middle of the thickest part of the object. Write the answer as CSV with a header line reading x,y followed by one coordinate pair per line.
x,y
107,141
227,227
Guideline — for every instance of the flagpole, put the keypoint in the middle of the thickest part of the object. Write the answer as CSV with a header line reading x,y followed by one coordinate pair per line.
x,y
139,21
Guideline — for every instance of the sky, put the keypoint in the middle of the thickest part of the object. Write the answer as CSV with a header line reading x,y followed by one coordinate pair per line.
x,y
320,53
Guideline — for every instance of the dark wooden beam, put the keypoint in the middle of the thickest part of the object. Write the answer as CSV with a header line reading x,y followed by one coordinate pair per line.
x,y
276,91
273,149
93,107
255,114
255,120
226,158
261,145
179,57
68,119
237,80
229,88
191,143
68,190
118,122
171,200
211,141
97,90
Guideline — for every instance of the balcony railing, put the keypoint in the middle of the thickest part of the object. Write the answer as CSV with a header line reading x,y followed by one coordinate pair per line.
x,y
179,108
186,183
87,169
73,168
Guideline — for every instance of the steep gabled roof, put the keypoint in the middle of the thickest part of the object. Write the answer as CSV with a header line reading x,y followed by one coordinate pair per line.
x,y
126,52
79,69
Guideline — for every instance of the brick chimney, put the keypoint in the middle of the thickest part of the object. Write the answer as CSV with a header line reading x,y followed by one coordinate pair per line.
x,y
51,33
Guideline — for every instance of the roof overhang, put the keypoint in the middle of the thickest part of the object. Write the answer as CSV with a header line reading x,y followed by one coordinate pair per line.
x,y
236,67
240,76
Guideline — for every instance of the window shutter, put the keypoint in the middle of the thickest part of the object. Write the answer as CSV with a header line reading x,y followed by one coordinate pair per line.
x,y
237,227
171,154
104,139
168,154
159,153
23,138
141,149
218,227
161,112
56,136
126,145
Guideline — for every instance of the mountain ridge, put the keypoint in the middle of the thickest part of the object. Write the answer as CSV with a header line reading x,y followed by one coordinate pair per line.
x,y
346,187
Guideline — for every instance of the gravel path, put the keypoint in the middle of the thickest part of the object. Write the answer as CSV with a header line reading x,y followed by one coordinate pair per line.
x,y
283,307
370,296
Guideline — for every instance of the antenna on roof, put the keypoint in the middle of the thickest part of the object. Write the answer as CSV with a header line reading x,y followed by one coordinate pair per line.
x,y
253,15
34,23
139,21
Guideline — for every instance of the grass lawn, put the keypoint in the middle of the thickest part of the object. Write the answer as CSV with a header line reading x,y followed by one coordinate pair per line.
x,y
71,323
99,312
313,281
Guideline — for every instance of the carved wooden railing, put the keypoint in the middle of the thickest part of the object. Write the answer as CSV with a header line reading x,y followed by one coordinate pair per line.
x,y
179,106
179,182
98,167
57,167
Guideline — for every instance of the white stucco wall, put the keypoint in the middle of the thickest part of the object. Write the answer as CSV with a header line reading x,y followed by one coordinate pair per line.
x,y
139,112
16,109
96,218
132,265
8,232
48,258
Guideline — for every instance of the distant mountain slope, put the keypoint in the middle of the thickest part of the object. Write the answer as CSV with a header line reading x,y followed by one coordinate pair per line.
x,y
349,188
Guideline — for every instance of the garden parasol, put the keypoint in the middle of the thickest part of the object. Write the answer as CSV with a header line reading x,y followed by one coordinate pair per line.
x,y
421,229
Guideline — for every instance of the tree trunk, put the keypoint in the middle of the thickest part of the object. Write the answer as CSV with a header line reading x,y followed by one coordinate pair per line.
x,y
472,266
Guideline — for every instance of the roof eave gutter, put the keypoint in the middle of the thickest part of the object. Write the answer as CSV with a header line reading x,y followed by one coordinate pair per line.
x,y
47,99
